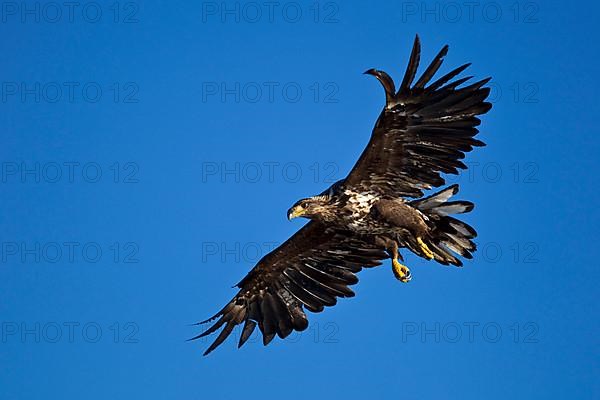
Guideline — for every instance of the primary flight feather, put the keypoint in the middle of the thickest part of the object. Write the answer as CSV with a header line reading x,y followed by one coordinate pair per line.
x,y
423,131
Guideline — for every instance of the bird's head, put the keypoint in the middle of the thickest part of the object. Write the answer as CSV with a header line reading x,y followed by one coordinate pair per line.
x,y
311,207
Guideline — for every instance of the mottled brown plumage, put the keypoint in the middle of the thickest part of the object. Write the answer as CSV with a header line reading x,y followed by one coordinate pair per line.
x,y
423,131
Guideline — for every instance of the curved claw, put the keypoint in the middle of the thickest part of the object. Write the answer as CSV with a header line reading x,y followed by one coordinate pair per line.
x,y
425,249
401,272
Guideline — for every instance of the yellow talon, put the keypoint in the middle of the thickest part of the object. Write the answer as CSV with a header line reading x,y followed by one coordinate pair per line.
x,y
401,272
428,253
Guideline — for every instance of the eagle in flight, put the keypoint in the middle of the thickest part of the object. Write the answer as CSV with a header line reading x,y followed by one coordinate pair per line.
x,y
423,131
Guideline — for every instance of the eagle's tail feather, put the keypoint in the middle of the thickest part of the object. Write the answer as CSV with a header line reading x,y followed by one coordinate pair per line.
x,y
449,236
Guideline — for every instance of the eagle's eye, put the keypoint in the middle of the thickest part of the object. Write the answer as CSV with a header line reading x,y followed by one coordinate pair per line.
x,y
304,204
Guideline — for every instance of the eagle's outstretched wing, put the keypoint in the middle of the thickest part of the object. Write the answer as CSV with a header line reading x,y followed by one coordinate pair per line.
x,y
311,269
423,131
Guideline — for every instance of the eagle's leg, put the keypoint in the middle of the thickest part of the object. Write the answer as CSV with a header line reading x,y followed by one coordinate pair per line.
x,y
426,250
401,272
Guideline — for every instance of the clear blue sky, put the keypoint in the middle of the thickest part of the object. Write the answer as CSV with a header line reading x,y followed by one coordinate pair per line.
x,y
150,152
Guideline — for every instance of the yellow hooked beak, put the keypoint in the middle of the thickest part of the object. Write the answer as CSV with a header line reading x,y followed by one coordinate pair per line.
x,y
295,212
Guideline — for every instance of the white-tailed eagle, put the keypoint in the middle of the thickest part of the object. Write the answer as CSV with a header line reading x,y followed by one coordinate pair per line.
x,y
424,131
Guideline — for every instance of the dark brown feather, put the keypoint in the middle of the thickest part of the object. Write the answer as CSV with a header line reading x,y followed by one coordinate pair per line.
x,y
311,269
422,133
